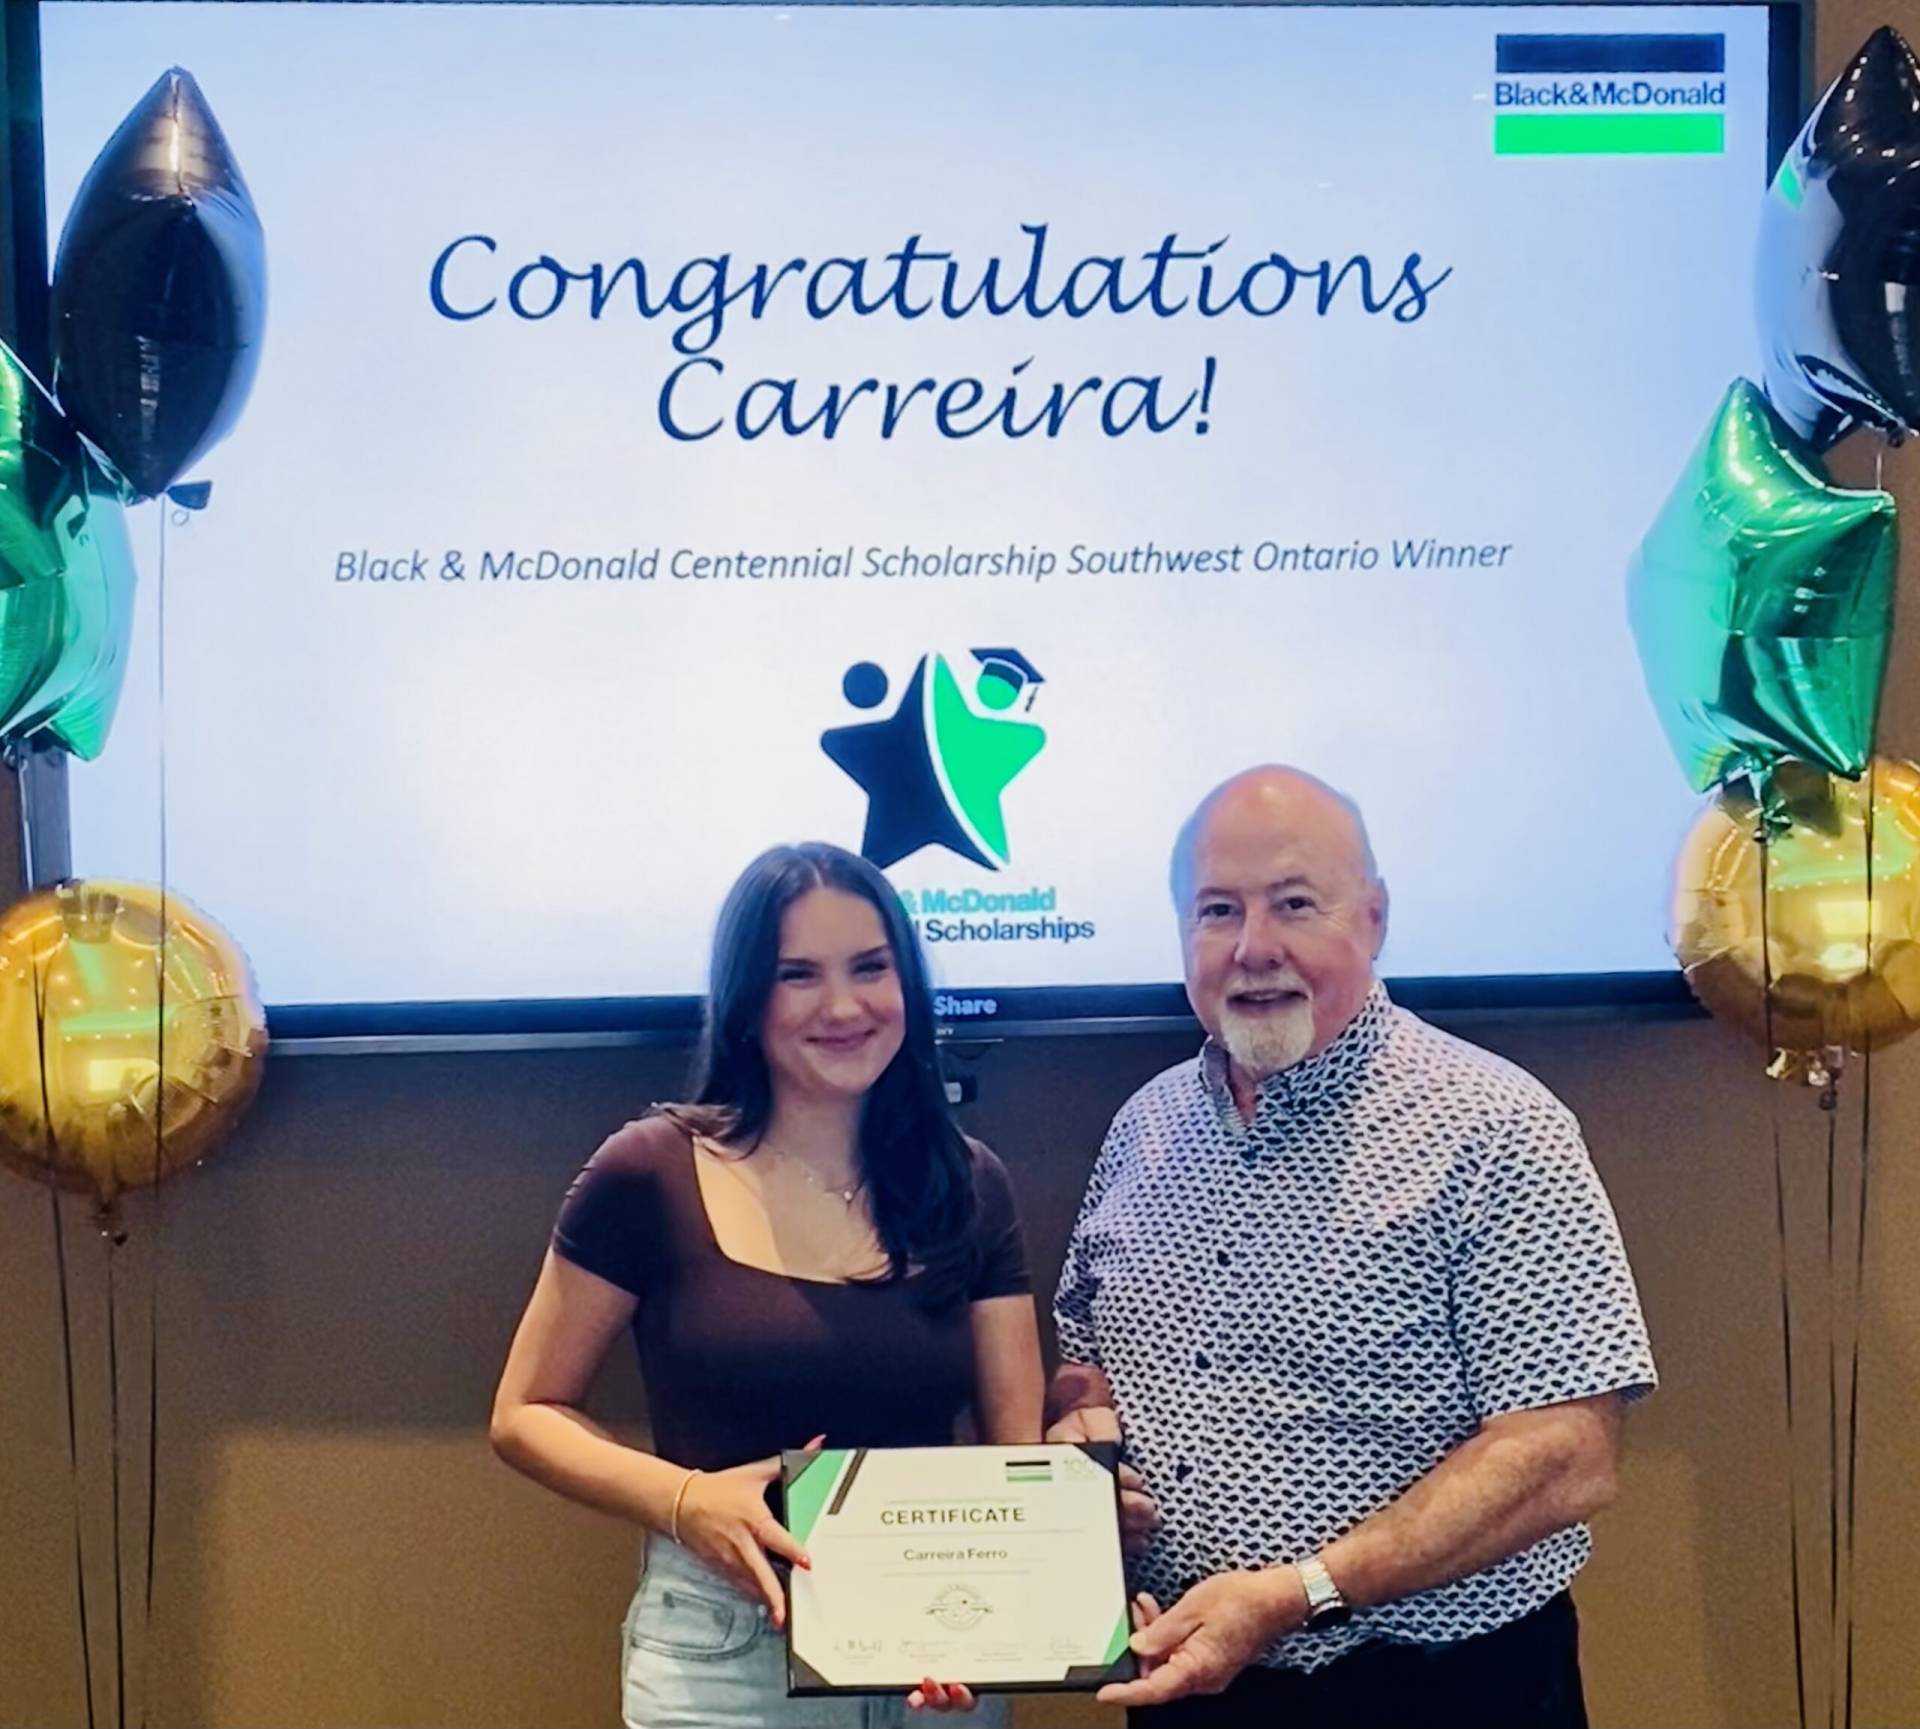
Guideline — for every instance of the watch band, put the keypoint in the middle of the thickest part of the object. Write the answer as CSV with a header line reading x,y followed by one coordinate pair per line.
x,y
1325,1605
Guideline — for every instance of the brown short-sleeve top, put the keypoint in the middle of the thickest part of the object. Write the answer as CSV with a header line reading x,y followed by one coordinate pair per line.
x,y
740,1362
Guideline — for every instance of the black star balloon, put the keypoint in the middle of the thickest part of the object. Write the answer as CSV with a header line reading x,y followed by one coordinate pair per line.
x,y
1839,261
159,290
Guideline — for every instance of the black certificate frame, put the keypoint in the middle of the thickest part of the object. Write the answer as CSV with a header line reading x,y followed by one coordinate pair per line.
x,y
806,1682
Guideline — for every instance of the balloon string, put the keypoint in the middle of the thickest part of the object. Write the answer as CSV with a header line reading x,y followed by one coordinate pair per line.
x,y
1793,1446
18,758
1853,1394
73,1448
66,1335
1830,1105
1786,1310
159,1160
119,1589
1859,1277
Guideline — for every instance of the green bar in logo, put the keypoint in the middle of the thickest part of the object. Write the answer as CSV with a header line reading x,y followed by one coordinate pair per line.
x,y
1609,134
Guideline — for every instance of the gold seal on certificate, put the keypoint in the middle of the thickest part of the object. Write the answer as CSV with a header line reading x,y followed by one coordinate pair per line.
x,y
998,1567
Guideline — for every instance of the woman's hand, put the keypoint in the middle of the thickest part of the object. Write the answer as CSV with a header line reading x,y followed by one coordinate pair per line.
x,y
931,1695
724,1520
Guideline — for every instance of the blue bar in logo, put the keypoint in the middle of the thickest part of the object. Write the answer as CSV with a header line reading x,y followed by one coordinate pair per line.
x,y
1610,54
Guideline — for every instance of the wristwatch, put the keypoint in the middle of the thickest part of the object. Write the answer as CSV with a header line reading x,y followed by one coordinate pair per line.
x,y
1325,1606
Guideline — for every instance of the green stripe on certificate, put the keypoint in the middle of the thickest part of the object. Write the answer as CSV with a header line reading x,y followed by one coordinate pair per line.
x,y
1609,134
807,1495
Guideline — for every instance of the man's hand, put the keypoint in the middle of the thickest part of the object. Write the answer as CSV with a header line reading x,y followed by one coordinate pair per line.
x,y
1089,1423
1139,1517
1210,1635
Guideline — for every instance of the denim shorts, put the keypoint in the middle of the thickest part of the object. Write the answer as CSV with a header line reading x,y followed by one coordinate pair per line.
x,y
698,1654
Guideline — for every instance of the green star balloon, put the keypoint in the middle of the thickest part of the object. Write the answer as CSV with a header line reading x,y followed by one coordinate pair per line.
x,y
66,574
1762,604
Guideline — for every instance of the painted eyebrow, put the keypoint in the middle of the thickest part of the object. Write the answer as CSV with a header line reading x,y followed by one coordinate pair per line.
x,y
879,952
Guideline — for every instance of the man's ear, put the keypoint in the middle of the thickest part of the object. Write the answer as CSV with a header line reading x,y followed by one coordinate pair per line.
x,y
1377,909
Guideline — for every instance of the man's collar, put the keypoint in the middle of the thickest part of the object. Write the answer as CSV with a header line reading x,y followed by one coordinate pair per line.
x,y
1334,1070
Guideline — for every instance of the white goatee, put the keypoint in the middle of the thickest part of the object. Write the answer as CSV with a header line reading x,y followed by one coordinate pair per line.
x,y
1264,1044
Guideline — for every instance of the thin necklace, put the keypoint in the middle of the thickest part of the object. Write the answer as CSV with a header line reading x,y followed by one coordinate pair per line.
x,y
843,1194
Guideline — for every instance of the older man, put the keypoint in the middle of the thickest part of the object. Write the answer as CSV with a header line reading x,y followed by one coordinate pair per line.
x,y
1352,1296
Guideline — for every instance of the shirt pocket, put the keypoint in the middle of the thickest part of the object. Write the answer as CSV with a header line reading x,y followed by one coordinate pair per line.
x,y
1363,1326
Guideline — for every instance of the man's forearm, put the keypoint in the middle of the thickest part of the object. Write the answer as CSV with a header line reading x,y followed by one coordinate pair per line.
x,y
1521,1478
1077,1387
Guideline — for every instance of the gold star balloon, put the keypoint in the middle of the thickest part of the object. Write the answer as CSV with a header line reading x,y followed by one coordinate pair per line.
x,y
129,1048
1809,941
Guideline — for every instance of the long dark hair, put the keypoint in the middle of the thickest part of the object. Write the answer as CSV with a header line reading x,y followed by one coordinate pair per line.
x,y
912,1157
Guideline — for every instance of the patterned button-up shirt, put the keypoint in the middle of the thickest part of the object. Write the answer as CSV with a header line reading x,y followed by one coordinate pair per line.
x,y
1302,1315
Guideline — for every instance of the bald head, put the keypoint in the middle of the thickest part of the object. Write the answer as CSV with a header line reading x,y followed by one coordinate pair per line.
x,y
1287,799
1281,916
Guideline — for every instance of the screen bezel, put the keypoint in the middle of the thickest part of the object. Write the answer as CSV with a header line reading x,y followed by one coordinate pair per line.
x,y
1025,1010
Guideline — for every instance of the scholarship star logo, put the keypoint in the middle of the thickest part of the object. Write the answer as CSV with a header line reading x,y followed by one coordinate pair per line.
x,y
934,770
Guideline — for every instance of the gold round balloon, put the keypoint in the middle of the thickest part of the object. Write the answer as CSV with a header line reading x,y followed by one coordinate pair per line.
x,y
126,1053
1828,957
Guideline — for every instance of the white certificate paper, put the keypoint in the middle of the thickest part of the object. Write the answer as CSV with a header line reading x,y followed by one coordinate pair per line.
x,y
999,1567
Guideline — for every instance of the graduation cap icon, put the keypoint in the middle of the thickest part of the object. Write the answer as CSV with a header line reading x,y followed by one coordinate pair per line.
x,y
1004,673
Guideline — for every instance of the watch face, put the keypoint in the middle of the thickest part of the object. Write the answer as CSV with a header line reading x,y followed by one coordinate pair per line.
x,y
1333,1615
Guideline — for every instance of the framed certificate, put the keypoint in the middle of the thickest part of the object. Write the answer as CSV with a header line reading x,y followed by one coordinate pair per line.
x,y
996,1566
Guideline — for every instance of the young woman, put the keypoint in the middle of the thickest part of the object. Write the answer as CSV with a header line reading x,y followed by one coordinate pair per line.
x,y
808,1250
